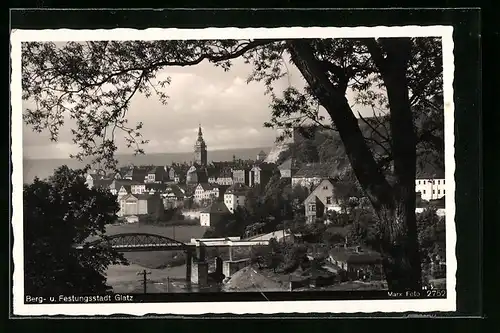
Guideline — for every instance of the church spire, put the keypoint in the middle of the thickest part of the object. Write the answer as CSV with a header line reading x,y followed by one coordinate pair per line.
x,y
200,134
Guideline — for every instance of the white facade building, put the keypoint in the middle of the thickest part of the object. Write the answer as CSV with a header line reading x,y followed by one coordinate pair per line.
x,y
430,189
234,200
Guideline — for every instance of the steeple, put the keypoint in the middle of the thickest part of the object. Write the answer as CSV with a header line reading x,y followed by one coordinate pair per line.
x,y
200,134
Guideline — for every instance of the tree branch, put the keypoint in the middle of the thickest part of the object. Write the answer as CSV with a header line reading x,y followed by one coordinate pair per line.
x,y
363,163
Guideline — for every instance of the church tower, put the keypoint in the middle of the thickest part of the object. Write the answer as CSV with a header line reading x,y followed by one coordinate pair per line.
x,y
200,149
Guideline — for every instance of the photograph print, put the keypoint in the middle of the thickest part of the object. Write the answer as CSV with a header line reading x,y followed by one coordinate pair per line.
x,y
220,170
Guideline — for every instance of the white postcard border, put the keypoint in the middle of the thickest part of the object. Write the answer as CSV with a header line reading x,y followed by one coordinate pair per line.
x,y
196,308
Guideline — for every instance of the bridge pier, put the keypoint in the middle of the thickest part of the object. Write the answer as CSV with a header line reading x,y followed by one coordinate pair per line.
x,y
189,263
199,269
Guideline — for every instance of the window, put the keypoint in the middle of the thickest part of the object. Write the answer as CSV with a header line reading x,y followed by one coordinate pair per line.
x,y
439,191
443,181
325,187
439,182
419,182
328,200
424,191
444,191
312,207
424,182
433,191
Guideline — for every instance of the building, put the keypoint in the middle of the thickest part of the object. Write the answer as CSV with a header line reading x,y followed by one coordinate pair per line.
x,y
213,214
310,175
196,174
117,184
320,200
156,174
200,149
94,176
173,196
138,188
140,204
136,174
153,188
225,177
205,192
285,169
357,263
261,174
430,188
124,190
241,175
261,156
213,174
235,196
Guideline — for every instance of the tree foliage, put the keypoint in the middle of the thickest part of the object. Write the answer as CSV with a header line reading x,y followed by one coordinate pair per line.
x,y
399,78
60,213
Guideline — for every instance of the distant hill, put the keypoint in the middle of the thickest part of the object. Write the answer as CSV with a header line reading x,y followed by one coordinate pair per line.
x,y
43,168
315,144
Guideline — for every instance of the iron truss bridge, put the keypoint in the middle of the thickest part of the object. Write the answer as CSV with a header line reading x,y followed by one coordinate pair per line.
x,y
134,242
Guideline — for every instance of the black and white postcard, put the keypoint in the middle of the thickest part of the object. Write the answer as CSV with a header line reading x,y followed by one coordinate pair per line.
x,y
226,170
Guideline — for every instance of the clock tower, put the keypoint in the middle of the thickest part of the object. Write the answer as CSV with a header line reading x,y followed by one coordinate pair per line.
x,y
200,149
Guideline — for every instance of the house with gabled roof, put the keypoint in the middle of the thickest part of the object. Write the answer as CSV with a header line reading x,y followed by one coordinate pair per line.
x,y
206,191
116,184
124,190
320,200
213,214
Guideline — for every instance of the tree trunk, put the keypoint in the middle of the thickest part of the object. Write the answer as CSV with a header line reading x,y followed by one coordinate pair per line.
x,y
404,266
394,205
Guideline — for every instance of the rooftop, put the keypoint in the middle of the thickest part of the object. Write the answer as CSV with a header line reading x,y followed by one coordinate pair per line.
x,y
321,170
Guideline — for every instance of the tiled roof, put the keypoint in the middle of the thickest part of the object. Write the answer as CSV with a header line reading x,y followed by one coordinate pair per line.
x,y
120,182
320,170
146,196
103,182
208,186
176,190
213,172
287,165
266,166
216,208
237,188
156,186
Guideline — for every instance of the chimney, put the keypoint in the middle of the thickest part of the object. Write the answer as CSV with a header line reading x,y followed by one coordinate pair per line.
x,y
359,249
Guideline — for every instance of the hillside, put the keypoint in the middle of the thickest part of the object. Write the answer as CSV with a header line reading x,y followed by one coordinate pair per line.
x,y
313,144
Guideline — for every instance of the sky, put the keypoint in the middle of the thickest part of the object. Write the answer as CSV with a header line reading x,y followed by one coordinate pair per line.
x,y
230,111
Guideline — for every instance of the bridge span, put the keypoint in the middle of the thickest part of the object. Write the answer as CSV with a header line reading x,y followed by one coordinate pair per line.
x,y
196,265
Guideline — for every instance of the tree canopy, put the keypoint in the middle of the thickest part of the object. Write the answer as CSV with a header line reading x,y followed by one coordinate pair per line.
x,y
400,78
59,213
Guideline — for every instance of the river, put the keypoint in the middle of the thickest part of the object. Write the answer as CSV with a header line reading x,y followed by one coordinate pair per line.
x,y
128,279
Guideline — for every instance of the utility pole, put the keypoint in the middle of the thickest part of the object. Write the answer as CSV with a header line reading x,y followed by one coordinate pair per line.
x,y
144,280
